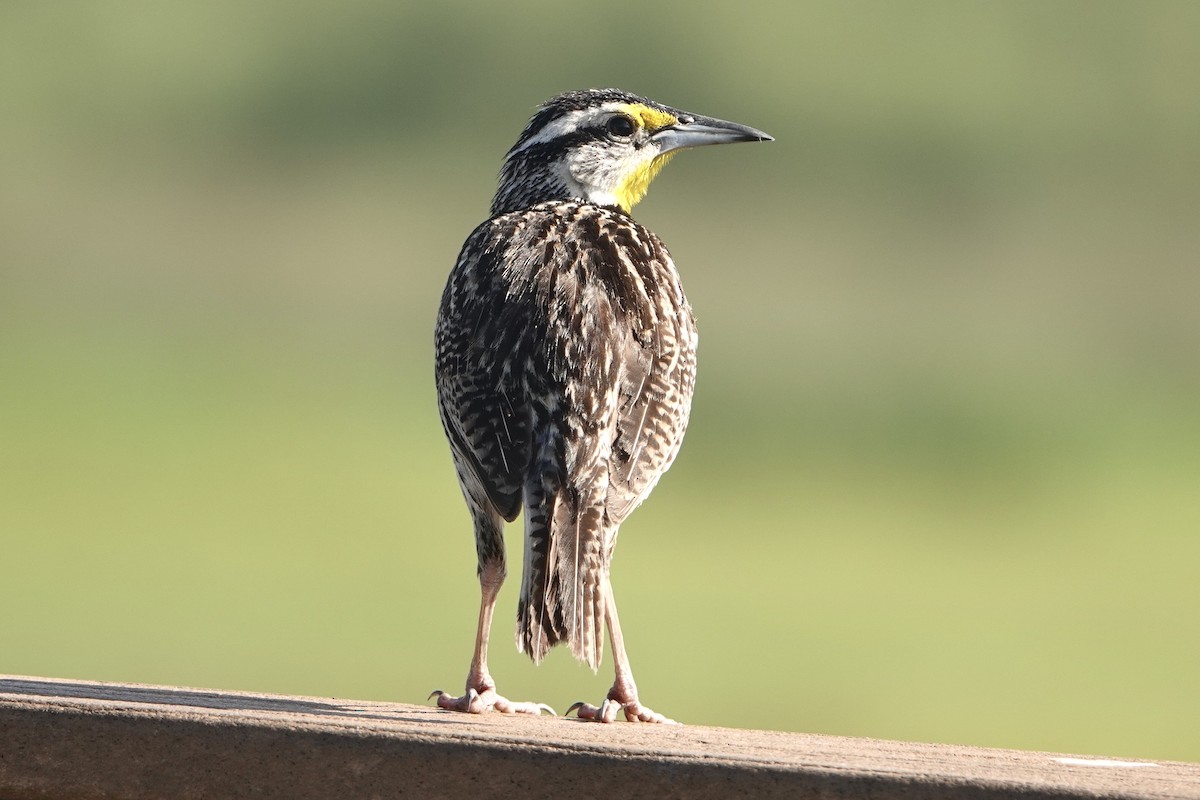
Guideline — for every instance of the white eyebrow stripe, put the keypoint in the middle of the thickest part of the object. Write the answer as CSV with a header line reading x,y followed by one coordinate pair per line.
x,y
567,123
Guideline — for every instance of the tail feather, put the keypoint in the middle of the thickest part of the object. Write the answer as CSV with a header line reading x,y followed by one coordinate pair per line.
x,y
562,590
579,532
540,623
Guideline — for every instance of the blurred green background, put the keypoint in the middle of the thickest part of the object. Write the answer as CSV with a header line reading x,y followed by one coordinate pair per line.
x,y
943,475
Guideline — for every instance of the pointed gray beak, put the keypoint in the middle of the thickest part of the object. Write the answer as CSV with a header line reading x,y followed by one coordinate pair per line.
x,y
697,131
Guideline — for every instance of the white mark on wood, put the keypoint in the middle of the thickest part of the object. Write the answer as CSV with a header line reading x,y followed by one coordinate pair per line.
x,y
1103,762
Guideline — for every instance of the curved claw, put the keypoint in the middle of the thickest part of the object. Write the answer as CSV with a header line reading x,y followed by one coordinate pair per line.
x,y
469,702
543,706
579,704
589,711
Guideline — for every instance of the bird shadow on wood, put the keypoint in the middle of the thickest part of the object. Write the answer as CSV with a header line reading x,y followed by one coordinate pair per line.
x,y
216,700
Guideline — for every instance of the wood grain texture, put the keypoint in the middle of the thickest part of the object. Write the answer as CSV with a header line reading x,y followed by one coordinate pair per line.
x,y
77,739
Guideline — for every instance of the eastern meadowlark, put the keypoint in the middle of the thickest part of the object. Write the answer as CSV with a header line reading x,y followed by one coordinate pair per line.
x,y
566,359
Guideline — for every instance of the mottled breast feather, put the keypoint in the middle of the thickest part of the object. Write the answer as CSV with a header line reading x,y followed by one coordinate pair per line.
x,y
570,316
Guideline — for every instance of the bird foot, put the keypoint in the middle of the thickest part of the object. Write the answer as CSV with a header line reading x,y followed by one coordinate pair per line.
x,y
608,710
476,702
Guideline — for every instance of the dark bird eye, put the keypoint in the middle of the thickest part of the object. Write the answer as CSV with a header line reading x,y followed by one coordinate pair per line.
x,y
620,125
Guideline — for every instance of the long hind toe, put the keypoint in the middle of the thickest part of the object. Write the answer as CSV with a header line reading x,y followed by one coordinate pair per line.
x,y
610,708
477,702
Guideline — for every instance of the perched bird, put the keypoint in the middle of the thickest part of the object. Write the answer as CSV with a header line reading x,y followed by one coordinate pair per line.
x,y
566,358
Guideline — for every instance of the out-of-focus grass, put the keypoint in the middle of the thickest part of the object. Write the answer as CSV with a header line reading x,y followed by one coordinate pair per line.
x,y
283,517
940,482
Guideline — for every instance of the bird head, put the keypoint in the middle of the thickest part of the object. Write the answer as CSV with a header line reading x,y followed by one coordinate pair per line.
x,y
602,146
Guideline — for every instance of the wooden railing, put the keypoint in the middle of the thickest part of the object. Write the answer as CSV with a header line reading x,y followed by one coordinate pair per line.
x,y
84,740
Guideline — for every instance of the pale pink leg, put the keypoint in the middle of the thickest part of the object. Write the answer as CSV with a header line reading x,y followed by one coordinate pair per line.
x,y
623,696
480,694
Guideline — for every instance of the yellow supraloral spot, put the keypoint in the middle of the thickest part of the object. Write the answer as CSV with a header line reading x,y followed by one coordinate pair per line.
x,y
651,118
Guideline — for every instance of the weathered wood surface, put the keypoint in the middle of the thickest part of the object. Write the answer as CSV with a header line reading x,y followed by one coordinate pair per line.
x,y
77,739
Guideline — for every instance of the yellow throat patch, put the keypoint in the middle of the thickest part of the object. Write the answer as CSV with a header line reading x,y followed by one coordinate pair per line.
x,y
637,182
